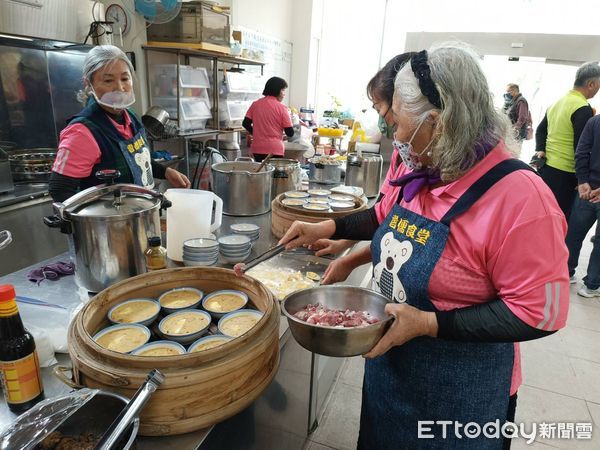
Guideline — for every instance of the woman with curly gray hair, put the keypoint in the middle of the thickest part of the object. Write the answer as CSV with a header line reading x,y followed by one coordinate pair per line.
x,y
459,258
106,135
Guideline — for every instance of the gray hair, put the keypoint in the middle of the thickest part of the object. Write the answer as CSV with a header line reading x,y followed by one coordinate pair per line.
x,y
467,116
96,59
586,72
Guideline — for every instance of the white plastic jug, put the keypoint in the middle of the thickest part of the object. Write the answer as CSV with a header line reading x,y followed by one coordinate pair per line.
x,y
189,217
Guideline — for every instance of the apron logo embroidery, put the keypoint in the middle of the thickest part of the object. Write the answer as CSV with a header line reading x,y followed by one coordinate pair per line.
x,y
142,159
393,255
403,226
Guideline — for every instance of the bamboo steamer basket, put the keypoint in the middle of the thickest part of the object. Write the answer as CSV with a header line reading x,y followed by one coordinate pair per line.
x,y
200,389
283,216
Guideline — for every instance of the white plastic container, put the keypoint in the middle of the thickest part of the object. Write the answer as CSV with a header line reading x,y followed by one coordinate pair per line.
x,y
190,217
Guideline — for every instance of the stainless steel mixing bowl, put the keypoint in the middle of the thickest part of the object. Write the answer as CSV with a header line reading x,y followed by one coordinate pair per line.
x,y
331,341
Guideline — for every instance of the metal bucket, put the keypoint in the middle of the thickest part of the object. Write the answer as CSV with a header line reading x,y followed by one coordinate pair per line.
x,y
244,191
364,171
286,177
324,173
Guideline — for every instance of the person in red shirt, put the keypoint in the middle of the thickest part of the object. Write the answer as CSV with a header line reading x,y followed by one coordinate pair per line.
x,y
267,119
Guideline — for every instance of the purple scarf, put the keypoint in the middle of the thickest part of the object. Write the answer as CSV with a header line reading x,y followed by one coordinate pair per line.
x,y
413,182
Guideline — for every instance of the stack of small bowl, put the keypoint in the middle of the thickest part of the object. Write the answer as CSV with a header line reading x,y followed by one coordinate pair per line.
x,y
235,248
200,252
246,229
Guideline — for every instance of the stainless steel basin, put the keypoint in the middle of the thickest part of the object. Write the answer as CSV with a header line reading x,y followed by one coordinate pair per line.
x,y
331,341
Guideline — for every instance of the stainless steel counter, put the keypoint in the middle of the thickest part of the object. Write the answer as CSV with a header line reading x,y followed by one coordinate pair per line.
x,y
21,213
281,418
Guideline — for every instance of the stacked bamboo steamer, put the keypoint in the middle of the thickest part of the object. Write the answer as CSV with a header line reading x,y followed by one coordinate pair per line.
x,y
283,216
200,389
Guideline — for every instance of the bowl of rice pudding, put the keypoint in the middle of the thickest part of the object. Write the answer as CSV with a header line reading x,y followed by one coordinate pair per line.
x,y
180,298
219,303
184,326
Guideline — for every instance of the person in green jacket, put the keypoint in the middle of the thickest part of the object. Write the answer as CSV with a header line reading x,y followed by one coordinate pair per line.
x,y
558,133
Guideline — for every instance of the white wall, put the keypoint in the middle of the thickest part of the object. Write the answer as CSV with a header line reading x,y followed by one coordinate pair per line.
x,y
272,17
66,20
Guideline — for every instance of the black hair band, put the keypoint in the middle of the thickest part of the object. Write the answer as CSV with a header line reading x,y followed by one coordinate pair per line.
x,y
422,72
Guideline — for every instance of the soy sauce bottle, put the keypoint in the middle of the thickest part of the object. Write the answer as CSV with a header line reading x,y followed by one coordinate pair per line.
x,y
19,364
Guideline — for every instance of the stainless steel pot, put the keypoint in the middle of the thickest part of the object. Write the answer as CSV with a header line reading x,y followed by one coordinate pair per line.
x,y
324,173
109,228
286,177
364,171
244,191
92,417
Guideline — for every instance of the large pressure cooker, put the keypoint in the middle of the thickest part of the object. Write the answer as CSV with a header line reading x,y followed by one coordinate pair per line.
x,y
108,228
244,191
364,171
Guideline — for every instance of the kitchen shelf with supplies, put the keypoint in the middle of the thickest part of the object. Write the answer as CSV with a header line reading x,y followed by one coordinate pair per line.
x,y
185,82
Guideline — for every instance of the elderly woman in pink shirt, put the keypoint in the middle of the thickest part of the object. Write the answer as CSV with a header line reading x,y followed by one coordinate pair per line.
x,y
471,256
267,119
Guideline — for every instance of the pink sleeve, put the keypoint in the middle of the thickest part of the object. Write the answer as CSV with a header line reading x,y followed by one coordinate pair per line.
x,y
530,272
286,120
250,111
78,152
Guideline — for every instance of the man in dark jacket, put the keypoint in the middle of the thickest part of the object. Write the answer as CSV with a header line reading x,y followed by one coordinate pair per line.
x,y
517,109
586,208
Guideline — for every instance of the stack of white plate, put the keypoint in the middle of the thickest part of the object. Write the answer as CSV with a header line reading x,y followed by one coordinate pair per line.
x,y
235,248
200,252
246,229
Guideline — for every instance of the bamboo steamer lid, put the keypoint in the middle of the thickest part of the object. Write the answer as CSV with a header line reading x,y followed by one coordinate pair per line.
x,y
200,389
283,216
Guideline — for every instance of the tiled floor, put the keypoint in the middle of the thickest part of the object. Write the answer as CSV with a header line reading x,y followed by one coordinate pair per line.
x,y
561,382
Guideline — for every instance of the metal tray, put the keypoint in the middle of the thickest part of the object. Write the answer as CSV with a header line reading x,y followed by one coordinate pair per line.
x,y
302,260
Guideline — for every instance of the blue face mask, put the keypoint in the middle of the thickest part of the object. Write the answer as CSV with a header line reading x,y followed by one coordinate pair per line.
x,y
508,97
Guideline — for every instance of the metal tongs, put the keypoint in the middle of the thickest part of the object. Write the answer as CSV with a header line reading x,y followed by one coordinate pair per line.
x,y
240,268
112,435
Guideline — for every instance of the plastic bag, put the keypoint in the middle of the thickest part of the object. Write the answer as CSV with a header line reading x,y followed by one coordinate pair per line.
x,y
43,346
369,121
33,426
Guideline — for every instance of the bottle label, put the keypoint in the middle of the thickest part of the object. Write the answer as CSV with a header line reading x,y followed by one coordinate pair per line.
x,y
21,379
9,308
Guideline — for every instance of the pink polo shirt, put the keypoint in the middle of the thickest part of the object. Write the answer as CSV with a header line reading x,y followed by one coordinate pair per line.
x,y
78,151
269,118
509,244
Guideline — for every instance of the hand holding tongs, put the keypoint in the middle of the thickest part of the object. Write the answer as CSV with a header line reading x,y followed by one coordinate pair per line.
x,y
240,268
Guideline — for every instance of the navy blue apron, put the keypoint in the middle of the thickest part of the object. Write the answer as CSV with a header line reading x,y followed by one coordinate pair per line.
x,y
428,379
131,157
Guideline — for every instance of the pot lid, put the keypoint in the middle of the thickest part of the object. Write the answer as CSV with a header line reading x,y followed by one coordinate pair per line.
x,y
112,201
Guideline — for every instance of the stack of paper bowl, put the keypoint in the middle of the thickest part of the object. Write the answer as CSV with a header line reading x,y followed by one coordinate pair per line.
x,y
235,248
246,229
200,252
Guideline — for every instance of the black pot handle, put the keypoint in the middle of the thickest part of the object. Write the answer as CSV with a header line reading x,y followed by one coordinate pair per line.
x,y
56,222
108,175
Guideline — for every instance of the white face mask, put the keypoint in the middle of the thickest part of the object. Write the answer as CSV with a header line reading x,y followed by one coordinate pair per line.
x,y
116,99
405,149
